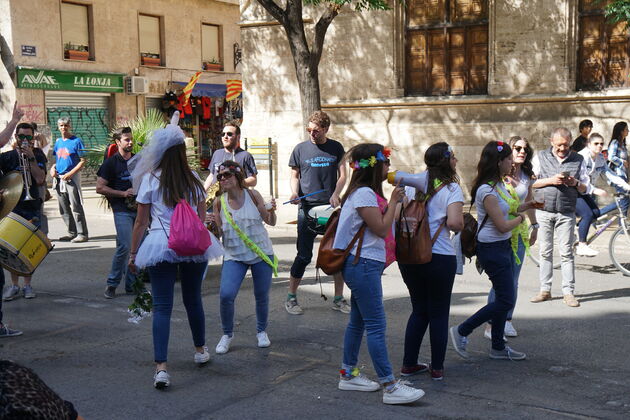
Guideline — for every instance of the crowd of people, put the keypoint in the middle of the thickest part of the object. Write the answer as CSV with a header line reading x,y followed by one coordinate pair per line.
x,y
551,188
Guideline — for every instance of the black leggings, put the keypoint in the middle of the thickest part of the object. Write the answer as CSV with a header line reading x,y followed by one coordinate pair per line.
x,y
430,286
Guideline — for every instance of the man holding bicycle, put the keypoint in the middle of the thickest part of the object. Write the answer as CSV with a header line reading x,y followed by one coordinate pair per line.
x,y
561,175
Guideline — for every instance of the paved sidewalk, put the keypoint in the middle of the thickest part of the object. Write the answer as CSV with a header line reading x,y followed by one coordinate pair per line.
x,y
83,347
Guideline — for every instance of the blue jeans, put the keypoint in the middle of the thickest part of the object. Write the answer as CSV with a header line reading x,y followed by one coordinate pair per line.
x,y
304,244
430,286
232,275
497,260
624,202
586,209
123,220
367,314
517,272
163,277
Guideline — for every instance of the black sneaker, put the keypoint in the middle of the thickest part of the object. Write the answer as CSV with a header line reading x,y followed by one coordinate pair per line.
x,y
110,292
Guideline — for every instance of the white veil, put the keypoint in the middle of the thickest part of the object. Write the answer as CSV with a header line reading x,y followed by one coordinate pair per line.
x,y
148,159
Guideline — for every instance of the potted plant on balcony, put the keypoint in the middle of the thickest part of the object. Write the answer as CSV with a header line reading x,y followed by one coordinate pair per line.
x,y
150,59
76,52
212,65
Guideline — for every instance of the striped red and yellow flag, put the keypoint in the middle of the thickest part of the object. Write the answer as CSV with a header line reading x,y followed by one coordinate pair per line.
x,y
189,87
234,88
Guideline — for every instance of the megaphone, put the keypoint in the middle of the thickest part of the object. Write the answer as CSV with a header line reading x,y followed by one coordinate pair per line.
x,y
418,181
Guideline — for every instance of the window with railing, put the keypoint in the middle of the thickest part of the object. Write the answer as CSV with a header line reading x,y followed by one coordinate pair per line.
x,y
446,47
151,40
211,56
76,31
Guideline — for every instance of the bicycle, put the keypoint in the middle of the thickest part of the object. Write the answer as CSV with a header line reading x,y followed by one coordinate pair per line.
x,y
618,246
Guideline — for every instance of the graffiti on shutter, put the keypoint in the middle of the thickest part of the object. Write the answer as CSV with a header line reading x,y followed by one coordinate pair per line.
x,y
90,124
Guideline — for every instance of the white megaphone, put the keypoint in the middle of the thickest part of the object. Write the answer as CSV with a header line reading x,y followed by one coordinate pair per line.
x,y
418,181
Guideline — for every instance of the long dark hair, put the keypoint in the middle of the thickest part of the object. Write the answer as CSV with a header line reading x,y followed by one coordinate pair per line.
x,y
370,176
239,174
177,180
438,161
526,166
616,134
488,166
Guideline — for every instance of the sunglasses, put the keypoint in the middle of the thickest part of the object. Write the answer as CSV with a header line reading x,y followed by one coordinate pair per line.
x,y
519,148
224,175
313,130
597,144
227,133
25,137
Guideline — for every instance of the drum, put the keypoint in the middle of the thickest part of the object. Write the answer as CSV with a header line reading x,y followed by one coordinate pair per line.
x,y
316,215
22,245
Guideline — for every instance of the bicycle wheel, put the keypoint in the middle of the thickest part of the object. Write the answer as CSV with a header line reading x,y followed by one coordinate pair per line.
x,y
619,249
534,254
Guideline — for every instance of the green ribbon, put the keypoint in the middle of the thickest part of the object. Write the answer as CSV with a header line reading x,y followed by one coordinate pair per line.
x,y
522,229
250,244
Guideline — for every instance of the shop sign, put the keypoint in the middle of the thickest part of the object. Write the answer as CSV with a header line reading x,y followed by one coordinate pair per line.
x,y
69,80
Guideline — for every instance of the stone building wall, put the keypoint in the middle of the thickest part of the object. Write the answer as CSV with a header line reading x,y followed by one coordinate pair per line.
x,y
531,85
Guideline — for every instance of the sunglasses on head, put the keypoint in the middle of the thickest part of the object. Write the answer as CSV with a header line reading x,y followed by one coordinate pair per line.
x,y
224,175
227,133
519,148
25,137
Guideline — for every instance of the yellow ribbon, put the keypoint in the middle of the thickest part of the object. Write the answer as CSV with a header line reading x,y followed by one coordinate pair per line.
x,y
522,229
247,240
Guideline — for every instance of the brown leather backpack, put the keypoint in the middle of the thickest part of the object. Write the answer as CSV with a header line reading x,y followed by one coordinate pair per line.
x,y
414,244
331,260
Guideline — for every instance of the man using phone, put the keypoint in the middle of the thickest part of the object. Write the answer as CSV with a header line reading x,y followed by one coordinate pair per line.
x,y
560,174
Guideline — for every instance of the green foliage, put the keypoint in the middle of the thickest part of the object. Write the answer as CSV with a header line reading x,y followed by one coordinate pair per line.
x,y
618,11
359,5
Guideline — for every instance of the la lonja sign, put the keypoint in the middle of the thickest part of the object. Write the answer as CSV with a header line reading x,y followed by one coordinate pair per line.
x,y
69,80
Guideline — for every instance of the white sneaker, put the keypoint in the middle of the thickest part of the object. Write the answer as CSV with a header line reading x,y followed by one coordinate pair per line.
x,y
401,394
358,383
341,306
488,332
161,379
510,331
585,250
263,339
201,358
224,344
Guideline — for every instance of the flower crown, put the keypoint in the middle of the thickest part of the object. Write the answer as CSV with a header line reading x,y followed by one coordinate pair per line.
x,y
371,161
500,146
231,168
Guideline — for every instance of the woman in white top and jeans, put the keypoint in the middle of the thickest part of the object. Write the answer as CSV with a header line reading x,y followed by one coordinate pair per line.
x,y
161,176
430,285
359,205
497,216
247,210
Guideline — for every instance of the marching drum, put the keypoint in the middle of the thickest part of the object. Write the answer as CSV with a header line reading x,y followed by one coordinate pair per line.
x,y
317,217
22,245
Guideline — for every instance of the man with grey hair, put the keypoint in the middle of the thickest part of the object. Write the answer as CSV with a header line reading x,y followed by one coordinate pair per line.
x,y
561,175
66,174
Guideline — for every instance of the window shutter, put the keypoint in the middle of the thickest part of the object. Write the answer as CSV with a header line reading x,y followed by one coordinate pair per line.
x,y
617,60
437,60
417,62
468,10
425,12
457,60
592,53
478,59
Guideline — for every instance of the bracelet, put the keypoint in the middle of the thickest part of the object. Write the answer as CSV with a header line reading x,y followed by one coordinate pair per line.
x,y
535,225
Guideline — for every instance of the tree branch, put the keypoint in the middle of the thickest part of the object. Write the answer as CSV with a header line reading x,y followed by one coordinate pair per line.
x,y
320,31
274,10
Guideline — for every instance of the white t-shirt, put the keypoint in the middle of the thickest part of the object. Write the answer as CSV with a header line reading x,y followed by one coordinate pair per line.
x,y
350,221
522,188
437,209
154,247
489,232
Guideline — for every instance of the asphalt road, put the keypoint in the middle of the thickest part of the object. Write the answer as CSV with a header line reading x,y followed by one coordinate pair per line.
x,y
84,348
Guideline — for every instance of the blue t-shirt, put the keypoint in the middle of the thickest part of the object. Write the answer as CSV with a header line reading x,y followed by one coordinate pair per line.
x,y
68,153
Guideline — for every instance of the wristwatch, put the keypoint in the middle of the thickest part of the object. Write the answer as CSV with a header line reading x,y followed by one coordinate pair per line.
x,y
534,225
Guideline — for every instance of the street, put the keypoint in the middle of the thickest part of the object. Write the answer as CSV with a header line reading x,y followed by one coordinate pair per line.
x,y
83,347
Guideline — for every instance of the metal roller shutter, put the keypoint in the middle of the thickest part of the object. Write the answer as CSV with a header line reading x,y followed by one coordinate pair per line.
x,y
153,103
88,112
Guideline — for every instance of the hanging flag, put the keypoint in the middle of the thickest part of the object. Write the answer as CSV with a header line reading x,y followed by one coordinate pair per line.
x,y
234,88
189,87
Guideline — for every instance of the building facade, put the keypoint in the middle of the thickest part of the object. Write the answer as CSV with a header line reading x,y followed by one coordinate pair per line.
x,y
104,62
461,71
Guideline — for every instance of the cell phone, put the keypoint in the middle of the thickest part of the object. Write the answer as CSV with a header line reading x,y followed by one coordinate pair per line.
x,y
565,174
